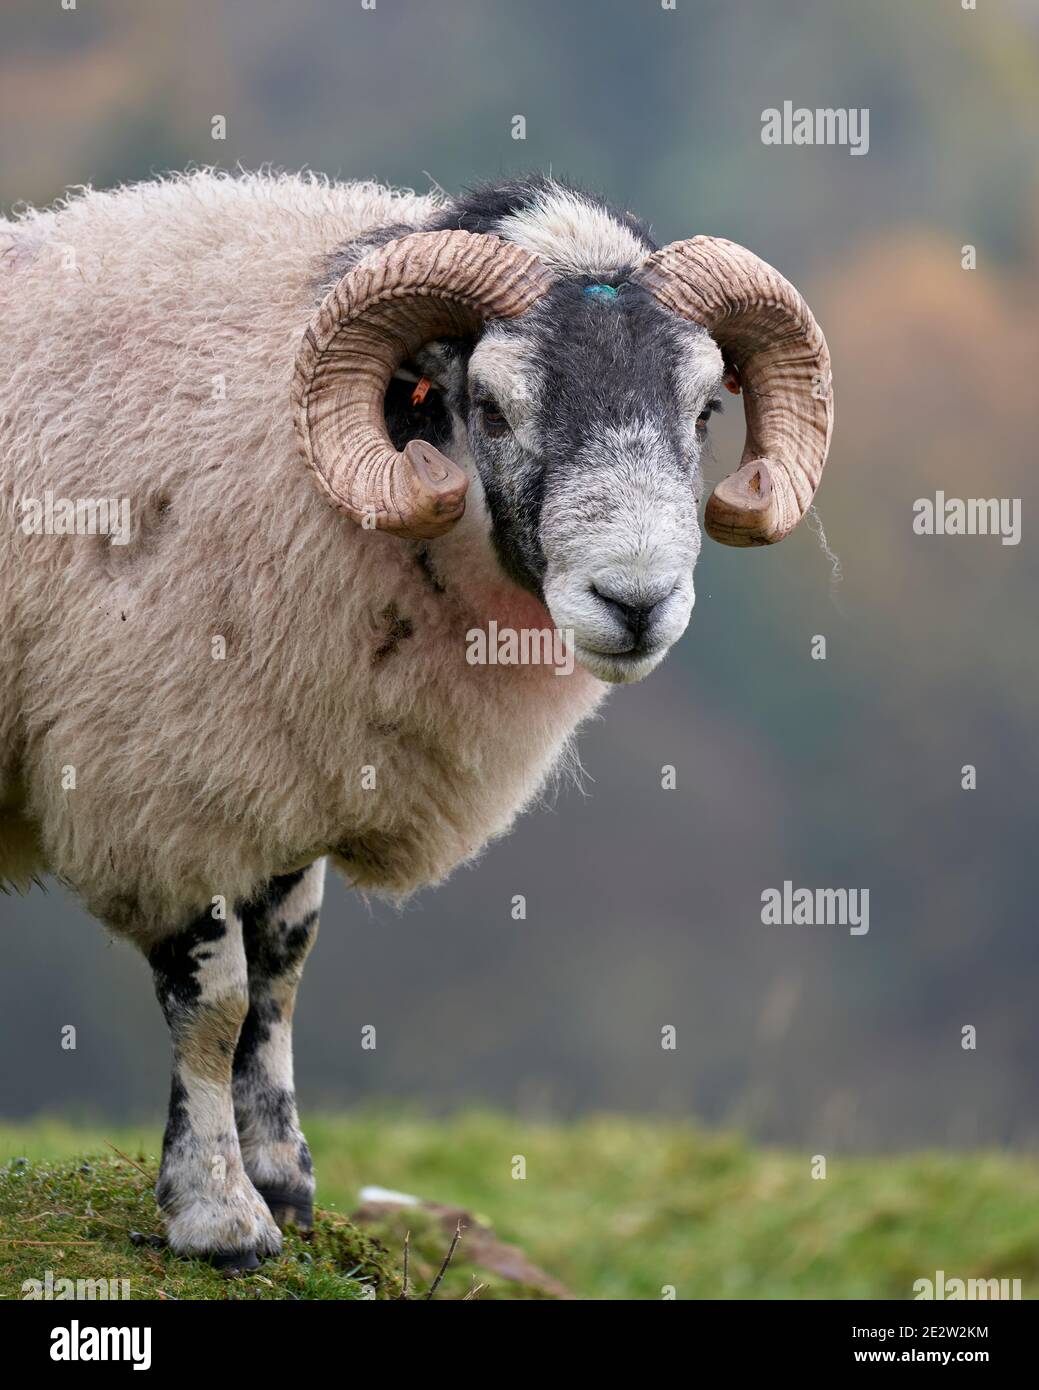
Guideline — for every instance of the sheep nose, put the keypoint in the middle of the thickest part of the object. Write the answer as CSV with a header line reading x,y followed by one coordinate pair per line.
x,y
636,605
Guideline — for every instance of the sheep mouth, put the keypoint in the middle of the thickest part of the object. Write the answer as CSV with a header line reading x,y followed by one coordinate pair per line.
x,y
621,667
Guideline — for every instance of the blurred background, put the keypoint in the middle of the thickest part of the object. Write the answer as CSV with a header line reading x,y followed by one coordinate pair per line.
x,y
643,905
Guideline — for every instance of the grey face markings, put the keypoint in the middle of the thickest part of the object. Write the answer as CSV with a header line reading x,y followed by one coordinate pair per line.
x,y
600,366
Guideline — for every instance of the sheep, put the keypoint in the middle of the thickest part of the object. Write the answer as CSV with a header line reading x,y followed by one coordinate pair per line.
x,y
352,427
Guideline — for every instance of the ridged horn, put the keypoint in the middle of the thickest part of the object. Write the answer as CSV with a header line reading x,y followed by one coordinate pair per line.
x,y
764,327
419,287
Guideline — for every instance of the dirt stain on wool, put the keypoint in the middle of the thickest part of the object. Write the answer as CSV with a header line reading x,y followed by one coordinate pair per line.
x,y
395,630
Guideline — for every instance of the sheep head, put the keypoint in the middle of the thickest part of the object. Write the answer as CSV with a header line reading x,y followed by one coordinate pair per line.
x,y
585,393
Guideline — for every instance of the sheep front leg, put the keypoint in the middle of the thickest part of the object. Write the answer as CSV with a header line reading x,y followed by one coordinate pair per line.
x,y
211,1207
279,927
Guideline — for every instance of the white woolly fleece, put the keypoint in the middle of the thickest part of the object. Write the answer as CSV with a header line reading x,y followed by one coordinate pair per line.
x,y
147,339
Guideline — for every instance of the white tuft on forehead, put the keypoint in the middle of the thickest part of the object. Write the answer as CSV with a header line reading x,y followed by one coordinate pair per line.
x,y
503,364
572,236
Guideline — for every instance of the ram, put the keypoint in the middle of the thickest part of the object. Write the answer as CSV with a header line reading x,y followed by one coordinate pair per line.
x,y
349,428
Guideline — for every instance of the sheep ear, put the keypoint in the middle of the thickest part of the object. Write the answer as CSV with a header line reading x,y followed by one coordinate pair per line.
x,y
415,409
444,362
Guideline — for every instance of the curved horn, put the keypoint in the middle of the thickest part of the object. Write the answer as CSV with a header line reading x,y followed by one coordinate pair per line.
x,y
766,329
419,287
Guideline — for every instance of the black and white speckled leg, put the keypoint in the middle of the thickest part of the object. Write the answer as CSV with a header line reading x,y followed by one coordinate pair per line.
x,y
211,1207
279,927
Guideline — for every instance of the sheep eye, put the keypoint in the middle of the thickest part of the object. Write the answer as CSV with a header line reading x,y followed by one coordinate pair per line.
x,y
711,408
494,422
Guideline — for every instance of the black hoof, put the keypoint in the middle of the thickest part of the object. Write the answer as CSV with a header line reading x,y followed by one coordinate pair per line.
x,y
289,1208
235,1261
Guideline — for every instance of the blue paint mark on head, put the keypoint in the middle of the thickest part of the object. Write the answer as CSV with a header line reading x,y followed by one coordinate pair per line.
x,y
607,291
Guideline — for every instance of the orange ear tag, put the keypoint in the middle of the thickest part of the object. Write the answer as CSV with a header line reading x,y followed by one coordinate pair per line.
x,y
421,391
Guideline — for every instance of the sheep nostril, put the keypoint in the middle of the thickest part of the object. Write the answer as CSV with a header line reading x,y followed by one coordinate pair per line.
x,y
636,616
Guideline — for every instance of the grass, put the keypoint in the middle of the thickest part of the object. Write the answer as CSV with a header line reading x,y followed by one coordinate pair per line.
x,y
95,1219
613,1208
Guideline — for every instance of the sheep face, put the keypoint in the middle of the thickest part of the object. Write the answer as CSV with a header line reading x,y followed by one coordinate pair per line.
x,y
584,421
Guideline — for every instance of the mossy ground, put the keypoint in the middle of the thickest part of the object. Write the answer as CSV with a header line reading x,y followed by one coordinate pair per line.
x,y
611,1207
95,1218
